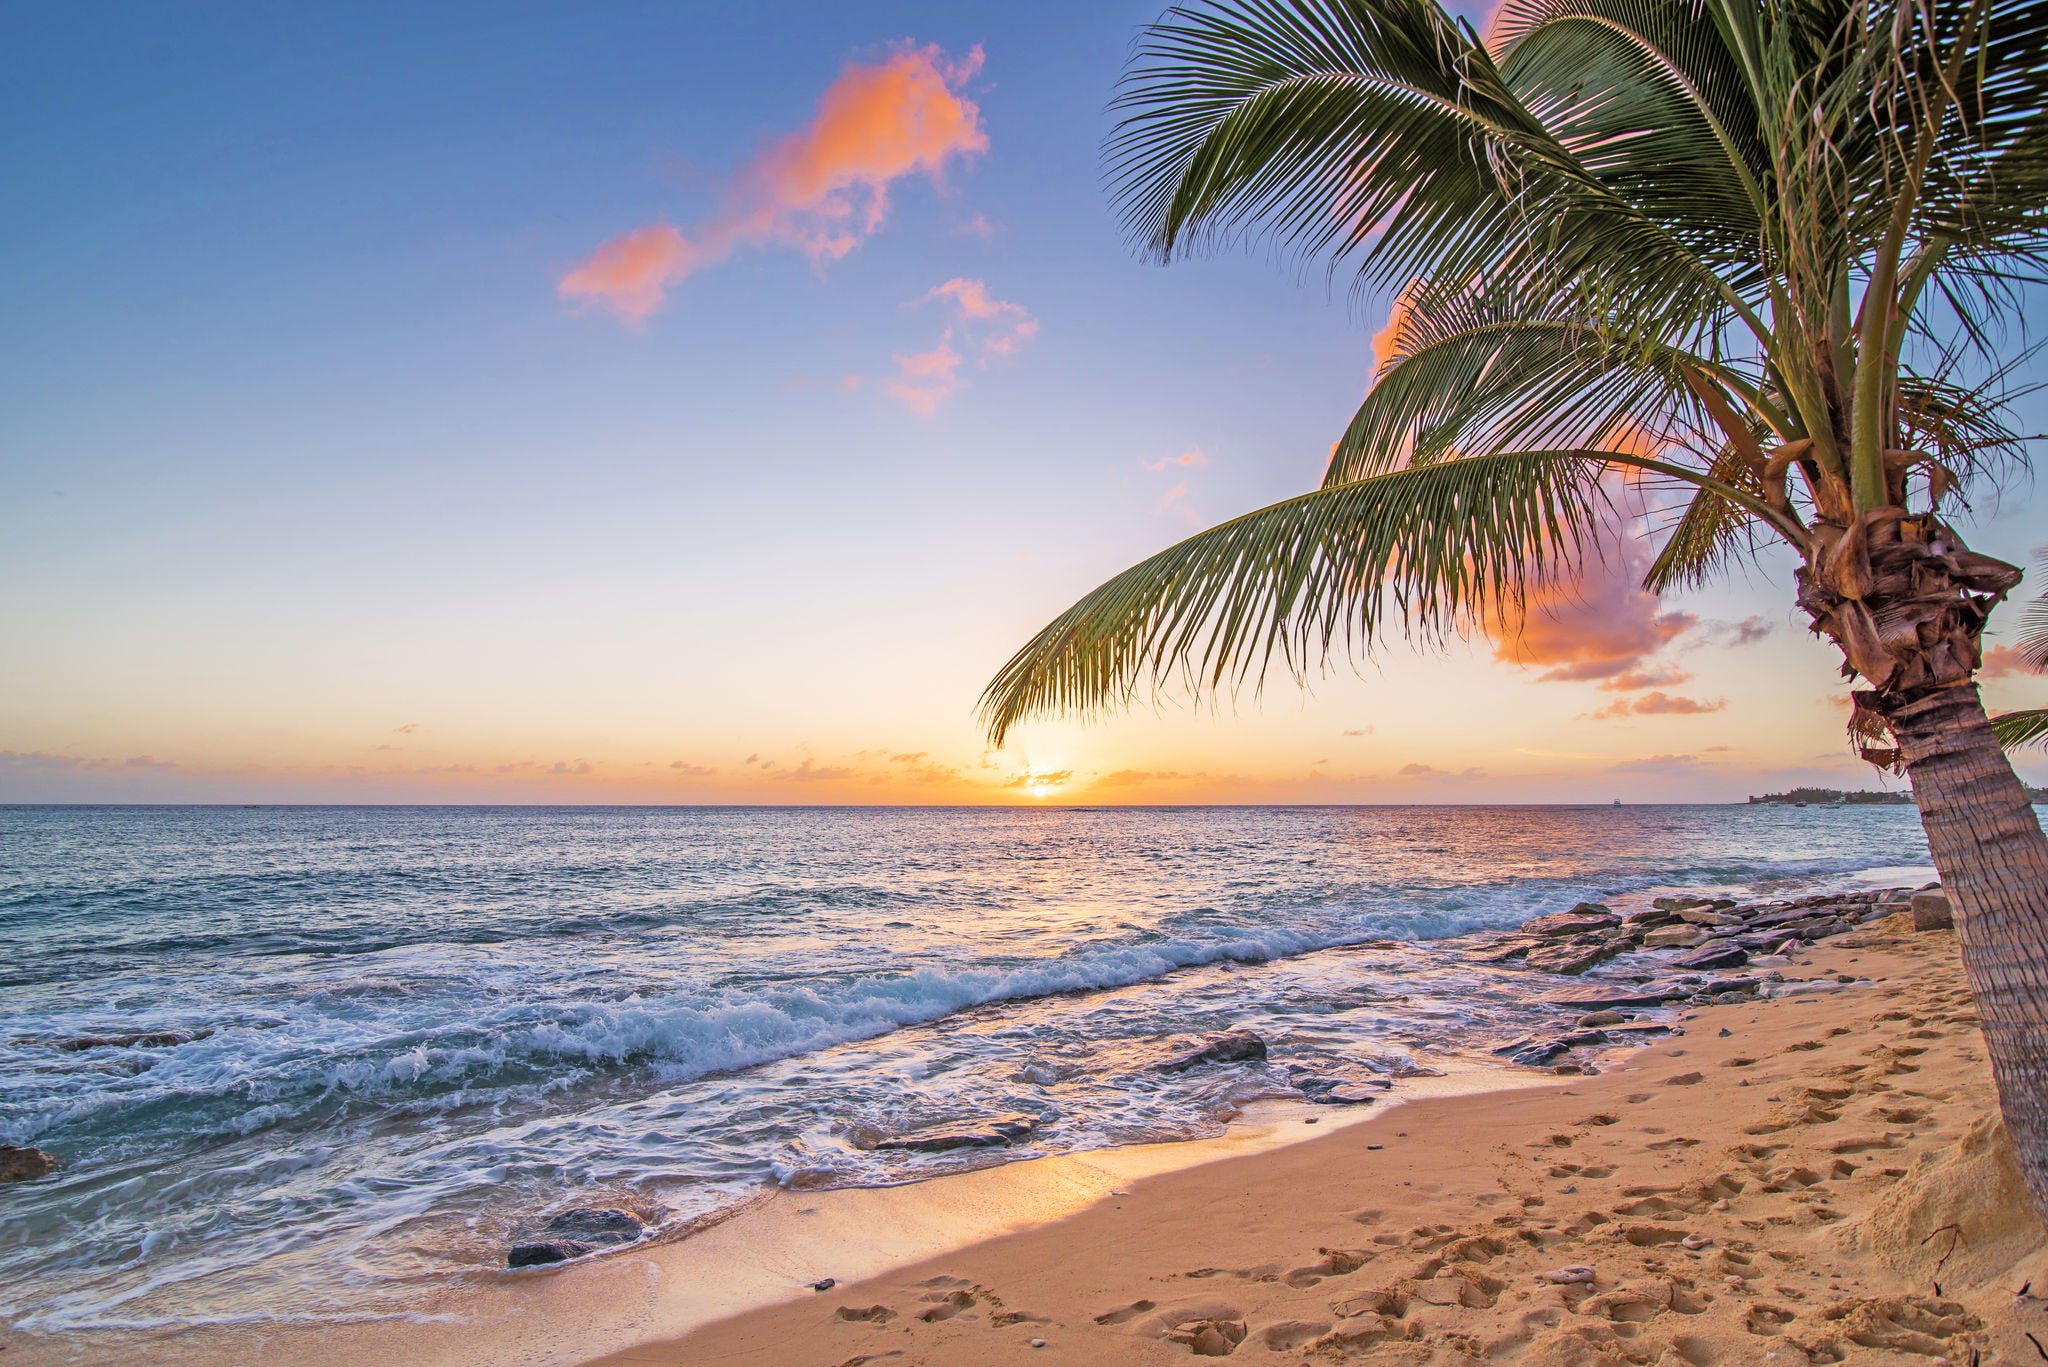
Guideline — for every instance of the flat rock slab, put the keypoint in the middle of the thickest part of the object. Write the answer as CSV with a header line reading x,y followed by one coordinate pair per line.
x,y
1571,923
988,1132
1714,956
1234,1046
597,1225
1620,999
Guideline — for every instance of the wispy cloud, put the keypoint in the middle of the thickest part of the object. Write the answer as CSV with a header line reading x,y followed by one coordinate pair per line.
x,y
1657,704
1656,764
821,190
1746,632
1175,499
1191,459
1431,772
989,328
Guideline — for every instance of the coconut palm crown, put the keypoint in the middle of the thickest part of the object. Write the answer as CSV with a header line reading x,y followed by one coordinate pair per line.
x,y
1769,253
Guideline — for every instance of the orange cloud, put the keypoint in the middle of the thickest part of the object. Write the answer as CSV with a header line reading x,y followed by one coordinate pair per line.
x,y
1657,704
1387,338
1602,625
1650,676
822,190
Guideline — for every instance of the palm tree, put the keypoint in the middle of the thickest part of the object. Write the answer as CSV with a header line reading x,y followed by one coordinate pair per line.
x,y
1762,250
2030,725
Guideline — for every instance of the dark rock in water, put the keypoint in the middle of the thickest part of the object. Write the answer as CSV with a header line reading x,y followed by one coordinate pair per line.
x,y
23,1165
1637,1029
548,1251
597,1225
1572,922
987,1132
1714,955
1597,1019
1234,1046
1342,1089
154,1039
1534,1053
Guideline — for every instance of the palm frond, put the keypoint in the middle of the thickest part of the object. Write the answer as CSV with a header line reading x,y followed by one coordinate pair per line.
x,y
2033,637
1712,531
2016,729
1657,102
1495,366
1428,551
1378,133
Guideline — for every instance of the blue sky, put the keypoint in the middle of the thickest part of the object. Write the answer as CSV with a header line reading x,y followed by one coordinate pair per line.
x,y
313,486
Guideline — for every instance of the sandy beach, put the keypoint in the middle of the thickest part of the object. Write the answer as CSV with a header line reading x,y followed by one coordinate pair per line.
x,y
1812,1179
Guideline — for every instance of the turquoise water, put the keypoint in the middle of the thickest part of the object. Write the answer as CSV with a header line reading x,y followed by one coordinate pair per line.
x,y
414,1029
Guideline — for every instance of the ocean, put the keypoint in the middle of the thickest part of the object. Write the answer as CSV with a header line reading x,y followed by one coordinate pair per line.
x,y
389,1039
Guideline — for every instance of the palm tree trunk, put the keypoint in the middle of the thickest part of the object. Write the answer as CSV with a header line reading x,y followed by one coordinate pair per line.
x,y
1993,861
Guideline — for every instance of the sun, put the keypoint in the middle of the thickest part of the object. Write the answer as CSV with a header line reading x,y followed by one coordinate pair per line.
x,y
1041,790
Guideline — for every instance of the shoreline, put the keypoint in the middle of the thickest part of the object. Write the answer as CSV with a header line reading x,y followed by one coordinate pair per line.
x,y
1770,1187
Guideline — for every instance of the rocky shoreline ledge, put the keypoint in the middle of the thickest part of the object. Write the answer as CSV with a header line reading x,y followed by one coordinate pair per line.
x,y
1681,951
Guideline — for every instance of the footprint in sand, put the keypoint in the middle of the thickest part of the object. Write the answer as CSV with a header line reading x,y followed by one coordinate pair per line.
x,y
1125,1314
866,1314
1685,1080
948,1304
1291,1334
1336,1262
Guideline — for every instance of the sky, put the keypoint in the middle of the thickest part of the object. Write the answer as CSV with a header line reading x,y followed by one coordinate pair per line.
x,y
647,403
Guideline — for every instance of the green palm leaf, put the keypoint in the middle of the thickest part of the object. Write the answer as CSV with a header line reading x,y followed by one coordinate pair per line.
x,y
2022,728
1379,132
1428,551
1499,366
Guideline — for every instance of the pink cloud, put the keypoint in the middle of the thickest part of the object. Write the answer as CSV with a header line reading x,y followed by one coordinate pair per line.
x,y
985,325
2002,662
925,379
1193,458
822,190
1007,325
